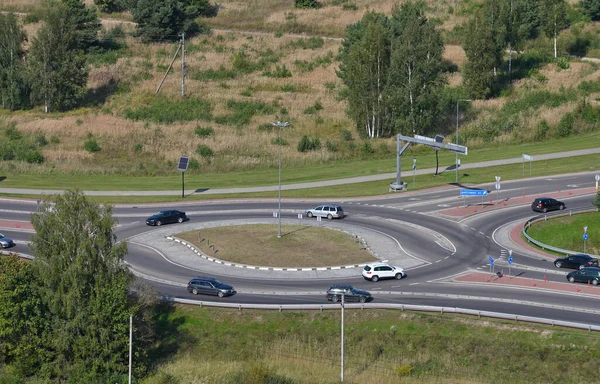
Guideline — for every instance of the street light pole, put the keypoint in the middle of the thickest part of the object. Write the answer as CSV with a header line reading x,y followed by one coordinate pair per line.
x,y
279,125
456,162
342,372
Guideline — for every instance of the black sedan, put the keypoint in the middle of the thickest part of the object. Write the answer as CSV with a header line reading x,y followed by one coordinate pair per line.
x,y
545,204
167,217
578,261
349,293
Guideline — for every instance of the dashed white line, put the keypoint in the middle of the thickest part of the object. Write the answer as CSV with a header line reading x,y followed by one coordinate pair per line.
x,y
447,257
413,284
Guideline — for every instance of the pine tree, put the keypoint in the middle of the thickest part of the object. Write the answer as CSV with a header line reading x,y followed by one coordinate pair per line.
x,y
591,8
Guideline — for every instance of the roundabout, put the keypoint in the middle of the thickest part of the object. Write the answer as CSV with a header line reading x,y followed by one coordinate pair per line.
x,y
442,243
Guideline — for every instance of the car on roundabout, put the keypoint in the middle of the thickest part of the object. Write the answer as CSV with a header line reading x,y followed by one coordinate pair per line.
x,y
589,275
378,271
545,204
329,211
209,286
349,293
6,242
166,216
577,261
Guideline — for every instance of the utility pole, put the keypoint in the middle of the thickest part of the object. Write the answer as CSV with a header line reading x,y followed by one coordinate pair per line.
x,y
182,63
130,344
342,373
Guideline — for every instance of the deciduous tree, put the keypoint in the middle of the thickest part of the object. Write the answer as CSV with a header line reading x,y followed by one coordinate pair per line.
x,y
13,87
553,16
591,8
481,51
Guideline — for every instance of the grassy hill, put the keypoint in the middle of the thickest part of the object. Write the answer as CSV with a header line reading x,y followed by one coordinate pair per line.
x,y
266,61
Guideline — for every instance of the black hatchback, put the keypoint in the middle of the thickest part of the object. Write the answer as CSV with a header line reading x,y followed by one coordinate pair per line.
x,y
545,204
578,261
166,217
590,275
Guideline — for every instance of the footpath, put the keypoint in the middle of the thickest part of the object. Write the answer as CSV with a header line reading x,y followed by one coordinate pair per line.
x,y
315,184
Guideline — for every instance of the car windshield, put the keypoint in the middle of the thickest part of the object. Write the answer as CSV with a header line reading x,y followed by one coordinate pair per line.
x,y
2,236
217,282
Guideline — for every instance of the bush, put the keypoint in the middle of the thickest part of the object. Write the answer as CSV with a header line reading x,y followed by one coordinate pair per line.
x,y
366,149
204,131
41,140
307,4
565,126
34,157
596,202
279,141
164,110
562,63
137,148
347,135
91,145
306,144
205,151
331,147
280,72
194,164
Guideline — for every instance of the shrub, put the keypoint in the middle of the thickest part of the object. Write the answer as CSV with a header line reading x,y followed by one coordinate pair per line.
x,y
366,149
331,147
41,140
280,72
91,145
243,111
137,147
565,126
55,139
12,133
541,130
562,63
313,108
279,141
164,110
307,144
347,135
34,157
306,4
596,202
204,131
349,7
194,164
205,151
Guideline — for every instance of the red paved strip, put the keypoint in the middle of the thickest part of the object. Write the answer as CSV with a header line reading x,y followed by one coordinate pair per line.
x,y
15,224
489,203
486,278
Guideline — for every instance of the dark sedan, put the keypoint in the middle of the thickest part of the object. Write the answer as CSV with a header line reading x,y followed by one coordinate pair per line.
x,y
590,275
209,286
578,261
166,217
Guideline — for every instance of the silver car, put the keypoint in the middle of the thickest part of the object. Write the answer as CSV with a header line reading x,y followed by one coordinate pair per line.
x,y
326,210
6,242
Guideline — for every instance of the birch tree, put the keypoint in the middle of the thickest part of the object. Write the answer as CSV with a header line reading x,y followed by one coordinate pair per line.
x,y
416,75
13,89
553,14
364,70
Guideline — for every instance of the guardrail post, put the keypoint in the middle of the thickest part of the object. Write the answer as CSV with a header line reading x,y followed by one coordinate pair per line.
x,y
478,315
545,217
321,309
200,304
442,311
240,308
570,212
280,308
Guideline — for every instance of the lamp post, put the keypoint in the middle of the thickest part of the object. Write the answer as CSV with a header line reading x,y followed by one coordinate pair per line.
x,y
279,125
456,162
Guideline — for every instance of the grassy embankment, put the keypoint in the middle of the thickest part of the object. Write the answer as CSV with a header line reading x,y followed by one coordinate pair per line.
x,y
240,82
566,232
231,346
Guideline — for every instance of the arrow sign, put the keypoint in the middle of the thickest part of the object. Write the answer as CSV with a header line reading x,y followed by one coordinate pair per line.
x,y
491,260
510,260
597,177
473,192
497,179
585,236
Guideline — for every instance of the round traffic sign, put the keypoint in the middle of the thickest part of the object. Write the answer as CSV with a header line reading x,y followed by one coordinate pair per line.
x,y
585,236
597,177
497,185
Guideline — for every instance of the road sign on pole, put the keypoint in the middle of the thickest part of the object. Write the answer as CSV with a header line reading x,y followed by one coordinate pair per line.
x,y
510,260
491,260
597,179
498,188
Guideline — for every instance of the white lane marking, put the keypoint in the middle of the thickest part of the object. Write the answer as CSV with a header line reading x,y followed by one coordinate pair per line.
x,y
396,286
481,233
447,257
414,284
438,261
441,246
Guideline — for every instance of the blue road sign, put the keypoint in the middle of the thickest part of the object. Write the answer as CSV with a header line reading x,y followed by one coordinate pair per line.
x,y
491,260
473,192
510,260
585,236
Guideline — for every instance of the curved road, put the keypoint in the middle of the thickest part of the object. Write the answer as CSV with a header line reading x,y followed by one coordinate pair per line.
x,y
432,282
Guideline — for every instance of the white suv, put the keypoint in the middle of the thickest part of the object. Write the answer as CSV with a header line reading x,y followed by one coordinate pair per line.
x,y
377,271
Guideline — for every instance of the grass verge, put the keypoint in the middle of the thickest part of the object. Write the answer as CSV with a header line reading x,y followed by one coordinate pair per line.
x,y
300,246
566,232
383,346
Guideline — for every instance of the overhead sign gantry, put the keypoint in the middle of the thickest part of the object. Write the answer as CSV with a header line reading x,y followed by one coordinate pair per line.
x,y
436,143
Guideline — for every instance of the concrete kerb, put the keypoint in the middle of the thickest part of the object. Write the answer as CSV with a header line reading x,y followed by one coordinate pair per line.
x,y
188,256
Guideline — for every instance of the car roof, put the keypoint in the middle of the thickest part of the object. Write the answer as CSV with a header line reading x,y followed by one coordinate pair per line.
x,y
379,264
340,286
204,278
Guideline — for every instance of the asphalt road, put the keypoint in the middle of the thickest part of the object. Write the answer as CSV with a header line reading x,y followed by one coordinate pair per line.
x,y
472,239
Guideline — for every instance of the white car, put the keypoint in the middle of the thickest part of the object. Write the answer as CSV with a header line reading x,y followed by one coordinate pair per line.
x,y
377,271
329,211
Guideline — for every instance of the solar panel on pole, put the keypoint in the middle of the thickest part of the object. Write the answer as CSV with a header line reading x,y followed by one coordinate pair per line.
x,y
182,166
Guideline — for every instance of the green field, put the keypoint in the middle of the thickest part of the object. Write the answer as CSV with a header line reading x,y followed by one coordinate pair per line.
x,y
206,345
566,232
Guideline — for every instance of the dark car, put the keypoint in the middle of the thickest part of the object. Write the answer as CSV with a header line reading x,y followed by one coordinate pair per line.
x,y
545,204
585,275
6,242
209,286
576,261
166,217
351,294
